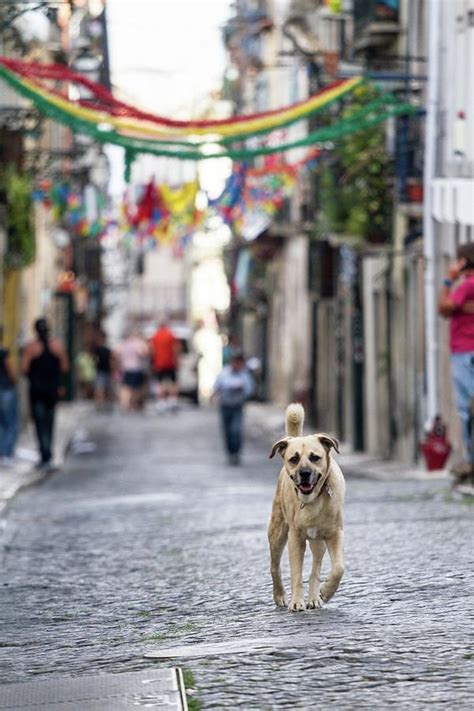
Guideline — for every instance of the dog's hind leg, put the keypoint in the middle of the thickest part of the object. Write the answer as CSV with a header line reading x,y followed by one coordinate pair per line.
x,y
318,549
335,546
277,537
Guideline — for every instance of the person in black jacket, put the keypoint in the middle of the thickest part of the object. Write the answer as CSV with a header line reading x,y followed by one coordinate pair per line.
x,y
105,366
44,360
8,410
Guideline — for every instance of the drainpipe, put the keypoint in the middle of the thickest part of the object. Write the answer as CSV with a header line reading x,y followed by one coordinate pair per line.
x,y
3,246
429,234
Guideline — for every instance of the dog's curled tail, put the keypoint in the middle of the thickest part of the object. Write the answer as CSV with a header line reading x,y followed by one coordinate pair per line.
x,y
294,419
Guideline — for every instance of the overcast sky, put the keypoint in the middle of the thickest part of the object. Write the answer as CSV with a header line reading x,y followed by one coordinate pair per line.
x,y
167,54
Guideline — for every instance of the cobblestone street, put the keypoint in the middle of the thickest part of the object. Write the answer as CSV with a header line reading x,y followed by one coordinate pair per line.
x,y
153,542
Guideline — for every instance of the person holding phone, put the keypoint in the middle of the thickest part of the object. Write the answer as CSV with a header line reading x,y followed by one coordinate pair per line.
x,y
456,303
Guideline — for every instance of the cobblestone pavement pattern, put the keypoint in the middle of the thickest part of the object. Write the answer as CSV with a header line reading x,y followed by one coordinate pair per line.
x,y
153,542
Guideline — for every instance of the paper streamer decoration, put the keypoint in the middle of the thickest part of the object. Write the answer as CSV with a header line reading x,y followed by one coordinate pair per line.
x,y
107,120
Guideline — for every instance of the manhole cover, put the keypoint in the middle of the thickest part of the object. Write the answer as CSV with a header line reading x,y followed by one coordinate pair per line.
x,y
160,689
235,646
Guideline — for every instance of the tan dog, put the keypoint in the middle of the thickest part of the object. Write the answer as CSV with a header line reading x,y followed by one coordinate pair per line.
x,y
308,506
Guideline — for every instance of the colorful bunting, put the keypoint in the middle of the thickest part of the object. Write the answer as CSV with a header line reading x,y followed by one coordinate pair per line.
x,y
167,215
68,209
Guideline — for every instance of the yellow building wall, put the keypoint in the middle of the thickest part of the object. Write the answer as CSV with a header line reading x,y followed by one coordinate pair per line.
x,y
11,305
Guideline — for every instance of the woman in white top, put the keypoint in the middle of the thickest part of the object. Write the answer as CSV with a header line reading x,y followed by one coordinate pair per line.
x,y
133,358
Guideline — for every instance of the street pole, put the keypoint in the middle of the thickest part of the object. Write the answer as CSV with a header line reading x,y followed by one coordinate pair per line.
x,y
429,235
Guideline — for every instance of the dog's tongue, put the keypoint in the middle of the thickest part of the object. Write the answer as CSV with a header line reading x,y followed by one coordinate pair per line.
x,y
306,488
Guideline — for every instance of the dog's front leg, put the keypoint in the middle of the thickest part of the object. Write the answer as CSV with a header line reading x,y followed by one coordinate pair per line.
x,y
318,548
296,548
277,537
335,546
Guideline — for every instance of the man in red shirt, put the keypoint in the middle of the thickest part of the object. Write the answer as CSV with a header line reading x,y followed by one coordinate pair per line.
x,y
457,305
165,358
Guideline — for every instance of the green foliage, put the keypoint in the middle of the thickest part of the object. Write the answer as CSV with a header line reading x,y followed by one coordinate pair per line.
x,y
21,243
355,188
190,685
188,678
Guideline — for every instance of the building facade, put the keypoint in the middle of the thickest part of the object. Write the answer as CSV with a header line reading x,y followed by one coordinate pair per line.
x,y
449,179
56,274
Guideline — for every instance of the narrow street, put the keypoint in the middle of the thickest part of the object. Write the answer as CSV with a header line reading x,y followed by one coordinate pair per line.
x,y
152,542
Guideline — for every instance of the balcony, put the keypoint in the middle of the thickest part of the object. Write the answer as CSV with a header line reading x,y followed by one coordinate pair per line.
x,y
376,23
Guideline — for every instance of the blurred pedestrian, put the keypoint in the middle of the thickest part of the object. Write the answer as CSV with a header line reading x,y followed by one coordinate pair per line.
x,y
104,364
165,350
132,356
86,374
44,361
8,409
233,387
456,303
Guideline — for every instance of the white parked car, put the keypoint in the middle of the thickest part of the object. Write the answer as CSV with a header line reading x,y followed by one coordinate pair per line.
x,y
188,373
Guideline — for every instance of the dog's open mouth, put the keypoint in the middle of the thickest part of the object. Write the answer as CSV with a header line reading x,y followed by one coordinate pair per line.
x,y
306,488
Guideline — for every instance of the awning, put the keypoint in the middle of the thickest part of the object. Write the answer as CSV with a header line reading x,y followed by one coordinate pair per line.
x,y
453,200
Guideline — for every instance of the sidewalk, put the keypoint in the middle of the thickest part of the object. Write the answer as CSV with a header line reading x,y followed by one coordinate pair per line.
x,y
23,473
268,421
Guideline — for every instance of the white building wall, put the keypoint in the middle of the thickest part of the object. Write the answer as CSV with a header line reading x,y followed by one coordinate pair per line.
x,y
289,324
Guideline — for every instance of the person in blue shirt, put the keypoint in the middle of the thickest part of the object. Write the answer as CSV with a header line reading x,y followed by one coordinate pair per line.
x,y
233,387
8,410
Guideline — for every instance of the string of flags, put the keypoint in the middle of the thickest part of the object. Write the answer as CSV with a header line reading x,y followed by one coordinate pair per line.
x,y
168,215
69,208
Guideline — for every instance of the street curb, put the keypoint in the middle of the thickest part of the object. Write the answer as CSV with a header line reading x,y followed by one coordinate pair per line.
x,y
24,475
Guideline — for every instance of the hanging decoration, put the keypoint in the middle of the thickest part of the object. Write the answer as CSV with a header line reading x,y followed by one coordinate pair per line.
x,y
163,214
108,120
68,208
166,215
251,193
102,105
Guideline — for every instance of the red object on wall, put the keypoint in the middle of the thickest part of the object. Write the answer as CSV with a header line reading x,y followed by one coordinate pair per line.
x,y
415,192
435,451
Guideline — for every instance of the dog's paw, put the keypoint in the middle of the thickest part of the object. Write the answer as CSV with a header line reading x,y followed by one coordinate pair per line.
x,y
280,600
325,594
314,603
297,606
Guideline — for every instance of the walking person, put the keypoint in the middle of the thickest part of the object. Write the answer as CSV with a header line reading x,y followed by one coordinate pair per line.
x,y
44,361
8,410
165,351
233,387
132,356
456,303
104,365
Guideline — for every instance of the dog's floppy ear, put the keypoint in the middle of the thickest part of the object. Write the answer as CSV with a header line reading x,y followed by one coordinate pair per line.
x,y
280,446
328,441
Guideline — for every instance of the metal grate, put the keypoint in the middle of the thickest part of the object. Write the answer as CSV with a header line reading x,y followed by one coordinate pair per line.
x,y
158,689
